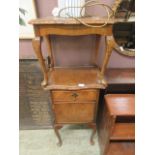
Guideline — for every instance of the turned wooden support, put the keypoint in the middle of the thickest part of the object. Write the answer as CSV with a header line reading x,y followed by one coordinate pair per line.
x,y
110,44
36,42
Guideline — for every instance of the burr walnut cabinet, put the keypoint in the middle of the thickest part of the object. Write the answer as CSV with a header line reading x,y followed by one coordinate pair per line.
x,y
74,91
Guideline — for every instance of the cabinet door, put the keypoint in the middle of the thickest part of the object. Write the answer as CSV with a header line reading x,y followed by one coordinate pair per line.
x,y
74,112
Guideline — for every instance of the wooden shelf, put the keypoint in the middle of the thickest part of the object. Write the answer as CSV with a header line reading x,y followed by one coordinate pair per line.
x,y
121,148
75,79
123,131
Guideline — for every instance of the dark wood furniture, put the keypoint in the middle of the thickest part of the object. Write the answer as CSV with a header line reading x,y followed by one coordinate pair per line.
x,y
117,127
74,91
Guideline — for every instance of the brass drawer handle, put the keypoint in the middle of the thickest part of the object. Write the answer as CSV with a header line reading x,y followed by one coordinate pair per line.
x,y
75,95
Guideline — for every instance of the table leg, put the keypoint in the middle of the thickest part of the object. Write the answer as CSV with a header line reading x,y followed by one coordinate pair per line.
x,y
93,126
110,44
36,42
56,128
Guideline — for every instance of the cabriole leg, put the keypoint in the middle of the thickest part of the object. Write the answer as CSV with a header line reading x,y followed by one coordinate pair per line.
x,y
56,128
36,42
93,126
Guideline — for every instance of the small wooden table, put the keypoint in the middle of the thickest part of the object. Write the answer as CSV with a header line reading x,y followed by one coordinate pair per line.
x,y
117,128
74,91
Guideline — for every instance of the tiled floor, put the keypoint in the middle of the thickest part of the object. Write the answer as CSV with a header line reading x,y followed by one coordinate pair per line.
x,y
43,142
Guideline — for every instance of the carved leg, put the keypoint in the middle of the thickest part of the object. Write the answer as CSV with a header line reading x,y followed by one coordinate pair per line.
x,y
56,128
50,51
93,126
110,44
37,48
95,54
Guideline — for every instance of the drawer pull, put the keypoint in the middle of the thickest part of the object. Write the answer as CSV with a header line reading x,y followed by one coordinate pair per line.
x,y
75,95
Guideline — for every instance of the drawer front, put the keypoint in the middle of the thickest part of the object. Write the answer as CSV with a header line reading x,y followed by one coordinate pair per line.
x,y
78,95
75,113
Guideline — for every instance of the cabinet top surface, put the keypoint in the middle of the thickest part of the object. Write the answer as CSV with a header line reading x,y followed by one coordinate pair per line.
x,y
67,21
121,104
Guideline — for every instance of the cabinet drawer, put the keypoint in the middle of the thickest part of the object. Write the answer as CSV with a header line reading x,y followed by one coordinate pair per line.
x,y
78,95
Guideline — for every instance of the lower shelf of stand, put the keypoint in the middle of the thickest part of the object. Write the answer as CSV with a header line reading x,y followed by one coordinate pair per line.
x,y
121,148
75,79
123,131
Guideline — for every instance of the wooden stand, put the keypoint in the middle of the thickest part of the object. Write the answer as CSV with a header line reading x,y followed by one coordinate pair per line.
x,y
117,128
74,91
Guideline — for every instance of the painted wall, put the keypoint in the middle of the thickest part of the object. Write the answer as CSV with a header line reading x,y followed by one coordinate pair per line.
x,y
75,50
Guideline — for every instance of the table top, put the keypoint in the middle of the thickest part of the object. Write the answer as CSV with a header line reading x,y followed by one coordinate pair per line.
x,y
121,104
72,21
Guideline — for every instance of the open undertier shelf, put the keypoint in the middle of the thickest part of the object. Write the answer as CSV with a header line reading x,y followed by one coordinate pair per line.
x,y
123,131
75,78
121,148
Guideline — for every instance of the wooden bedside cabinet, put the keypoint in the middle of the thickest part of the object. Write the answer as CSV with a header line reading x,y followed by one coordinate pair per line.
x,y
75,106
74,90
72,107
74,97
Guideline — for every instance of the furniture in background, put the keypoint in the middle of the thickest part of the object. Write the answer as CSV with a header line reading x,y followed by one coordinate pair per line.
x,y
117,127
74,90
